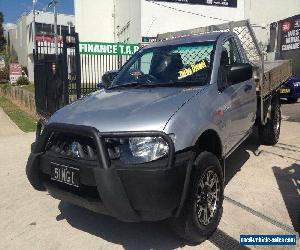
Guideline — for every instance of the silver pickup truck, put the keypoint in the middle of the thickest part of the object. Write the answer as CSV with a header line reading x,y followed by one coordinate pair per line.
x,y
152,144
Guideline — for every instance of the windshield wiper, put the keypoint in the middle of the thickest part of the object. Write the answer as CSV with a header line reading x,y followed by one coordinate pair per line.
x,y
137,85
153,85
140,85
129,85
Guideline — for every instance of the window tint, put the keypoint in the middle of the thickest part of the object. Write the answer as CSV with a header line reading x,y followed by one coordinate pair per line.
x,y
43,29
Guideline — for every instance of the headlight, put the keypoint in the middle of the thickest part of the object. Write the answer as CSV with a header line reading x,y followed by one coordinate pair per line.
x,y
137,150
148,148
297,84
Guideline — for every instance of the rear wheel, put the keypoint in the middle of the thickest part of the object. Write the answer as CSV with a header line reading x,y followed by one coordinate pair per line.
x,y
292,100
270,132
202,211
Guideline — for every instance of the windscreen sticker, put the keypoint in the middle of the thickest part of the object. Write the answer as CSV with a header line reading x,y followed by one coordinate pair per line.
x,y
194,68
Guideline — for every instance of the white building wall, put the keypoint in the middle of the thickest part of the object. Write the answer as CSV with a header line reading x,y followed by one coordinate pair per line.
x,y
136,18
158,19
128,21
21,44
266,11
94,20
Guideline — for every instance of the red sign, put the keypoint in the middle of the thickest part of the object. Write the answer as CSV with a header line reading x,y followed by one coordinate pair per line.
x,y
15,71
286,26
48,39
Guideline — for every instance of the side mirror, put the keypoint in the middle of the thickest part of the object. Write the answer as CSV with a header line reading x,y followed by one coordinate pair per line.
x,y
108,77
240,72
100,86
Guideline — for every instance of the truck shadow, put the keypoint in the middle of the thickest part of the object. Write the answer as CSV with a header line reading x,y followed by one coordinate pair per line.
x,y
151,235
134,236
146,235
288,181
240,156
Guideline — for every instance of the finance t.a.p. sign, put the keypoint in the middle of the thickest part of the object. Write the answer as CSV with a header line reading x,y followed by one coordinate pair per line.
x,y
99,48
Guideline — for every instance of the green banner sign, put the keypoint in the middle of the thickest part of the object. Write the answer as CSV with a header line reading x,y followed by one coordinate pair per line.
x,y
97,48
149,39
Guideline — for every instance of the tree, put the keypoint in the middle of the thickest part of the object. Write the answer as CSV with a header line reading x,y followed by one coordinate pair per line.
x,y
2,38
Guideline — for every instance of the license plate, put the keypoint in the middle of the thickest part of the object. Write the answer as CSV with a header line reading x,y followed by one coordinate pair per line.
x,y
285,91
65,174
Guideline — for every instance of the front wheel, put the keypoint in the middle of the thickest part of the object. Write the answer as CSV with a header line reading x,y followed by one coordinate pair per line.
x,y
202,211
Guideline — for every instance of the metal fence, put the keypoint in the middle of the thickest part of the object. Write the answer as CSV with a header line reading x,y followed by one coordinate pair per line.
x,y
71,67
47,75
242,29
56,76
94,66
63,78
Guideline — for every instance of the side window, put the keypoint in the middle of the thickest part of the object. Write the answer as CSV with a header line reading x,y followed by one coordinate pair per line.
x,y
143,64
146,62
230,54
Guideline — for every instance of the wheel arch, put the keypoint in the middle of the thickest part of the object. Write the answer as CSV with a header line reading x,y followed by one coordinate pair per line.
x,y
214,146
210,141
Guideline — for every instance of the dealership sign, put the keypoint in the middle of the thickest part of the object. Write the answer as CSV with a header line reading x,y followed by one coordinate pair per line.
x,y
221,3
290,33
98,48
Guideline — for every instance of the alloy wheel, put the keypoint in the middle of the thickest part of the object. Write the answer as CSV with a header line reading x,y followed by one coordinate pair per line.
x,y
208,195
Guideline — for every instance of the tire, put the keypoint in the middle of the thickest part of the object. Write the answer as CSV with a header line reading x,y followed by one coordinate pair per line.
x,y
292,100
188,225
270,132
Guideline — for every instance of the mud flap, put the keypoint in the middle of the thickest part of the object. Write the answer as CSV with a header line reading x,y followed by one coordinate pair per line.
x,y
33,173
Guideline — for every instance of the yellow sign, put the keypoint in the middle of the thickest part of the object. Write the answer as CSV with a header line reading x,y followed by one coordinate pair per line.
x,y
285,91
192,69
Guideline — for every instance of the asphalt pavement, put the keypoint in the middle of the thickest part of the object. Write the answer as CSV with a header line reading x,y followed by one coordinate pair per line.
x,y
262,197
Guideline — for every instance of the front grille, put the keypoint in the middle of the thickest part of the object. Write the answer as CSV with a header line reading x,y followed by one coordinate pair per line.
x,y
80,147
73,146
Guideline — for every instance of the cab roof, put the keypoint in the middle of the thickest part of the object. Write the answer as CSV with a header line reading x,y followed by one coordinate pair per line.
x,y
207,37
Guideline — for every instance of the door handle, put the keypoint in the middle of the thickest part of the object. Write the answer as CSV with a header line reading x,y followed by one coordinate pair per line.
x,y
248,88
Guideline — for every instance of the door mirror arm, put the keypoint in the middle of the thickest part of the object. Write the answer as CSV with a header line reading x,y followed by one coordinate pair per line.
x,y
221,83
108,78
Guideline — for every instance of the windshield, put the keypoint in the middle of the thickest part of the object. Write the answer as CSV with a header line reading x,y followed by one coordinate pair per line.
x,y
177,64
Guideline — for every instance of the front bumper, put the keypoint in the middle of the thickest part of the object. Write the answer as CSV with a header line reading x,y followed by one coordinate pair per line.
x,y
152,191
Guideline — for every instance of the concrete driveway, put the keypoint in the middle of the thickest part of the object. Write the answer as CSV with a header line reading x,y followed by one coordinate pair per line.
x,y
262,197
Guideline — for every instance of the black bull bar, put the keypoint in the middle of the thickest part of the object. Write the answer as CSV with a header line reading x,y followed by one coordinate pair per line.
x,y
109,185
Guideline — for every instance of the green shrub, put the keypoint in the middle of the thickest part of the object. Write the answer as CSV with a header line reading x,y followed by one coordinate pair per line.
x,y
5,85
23,80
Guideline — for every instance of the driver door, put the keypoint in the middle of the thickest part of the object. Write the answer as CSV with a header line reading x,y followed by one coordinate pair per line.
x,y
241,106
